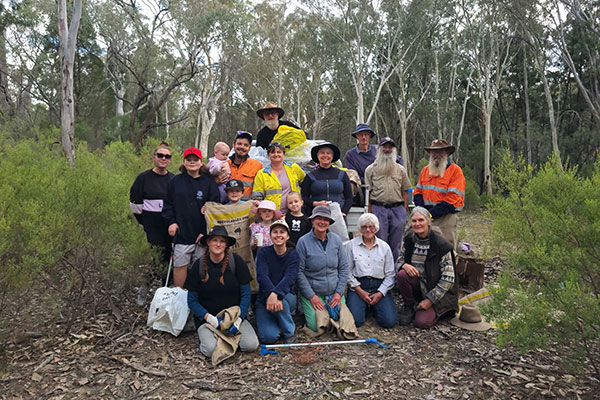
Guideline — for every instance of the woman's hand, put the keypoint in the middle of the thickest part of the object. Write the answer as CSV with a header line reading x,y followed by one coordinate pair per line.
x,y
199,237
425,305
410,270
173,228
317,303
336,300
320,203
273,303
203,209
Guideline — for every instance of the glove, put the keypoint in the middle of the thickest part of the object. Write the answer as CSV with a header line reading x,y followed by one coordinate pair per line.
x,y
214,321
234,329
334,312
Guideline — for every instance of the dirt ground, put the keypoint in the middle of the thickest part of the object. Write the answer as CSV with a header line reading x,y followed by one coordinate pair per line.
x,y
116,356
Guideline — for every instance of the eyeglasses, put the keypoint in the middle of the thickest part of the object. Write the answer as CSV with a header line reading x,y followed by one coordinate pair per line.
x,y
163,155
275,145
369,227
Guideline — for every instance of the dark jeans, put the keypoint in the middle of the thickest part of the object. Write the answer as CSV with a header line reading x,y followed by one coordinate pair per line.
x,y
385,310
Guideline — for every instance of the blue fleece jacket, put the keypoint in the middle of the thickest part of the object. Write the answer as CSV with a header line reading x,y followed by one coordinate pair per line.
x,y
323,271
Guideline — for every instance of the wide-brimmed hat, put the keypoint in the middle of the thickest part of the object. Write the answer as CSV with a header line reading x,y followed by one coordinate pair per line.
x,y
322,211
218,230
440,144
280,222
333,147
363,127
470,318
269,105
386,140
268,205
192,151
234,184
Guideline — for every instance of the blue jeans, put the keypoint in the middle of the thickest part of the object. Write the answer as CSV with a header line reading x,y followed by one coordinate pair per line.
x,y
385,310
271,325
391,226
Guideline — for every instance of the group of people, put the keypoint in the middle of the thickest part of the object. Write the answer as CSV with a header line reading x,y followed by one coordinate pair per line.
x,y
299,258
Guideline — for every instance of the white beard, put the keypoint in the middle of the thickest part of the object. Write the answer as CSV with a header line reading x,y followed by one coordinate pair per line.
x,y
273,124
385,164
437,168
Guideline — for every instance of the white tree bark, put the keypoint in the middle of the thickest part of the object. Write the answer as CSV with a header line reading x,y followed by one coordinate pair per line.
x,y
67,40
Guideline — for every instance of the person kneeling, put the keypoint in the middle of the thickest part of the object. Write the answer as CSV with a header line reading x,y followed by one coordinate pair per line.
x,y
219,287
426,277
276,271
371,275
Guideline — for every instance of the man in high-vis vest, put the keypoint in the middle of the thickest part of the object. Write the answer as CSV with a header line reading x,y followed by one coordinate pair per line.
x,y
242,166
441,189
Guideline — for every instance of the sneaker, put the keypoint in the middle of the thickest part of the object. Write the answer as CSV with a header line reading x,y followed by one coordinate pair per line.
x,y
290,339
407,314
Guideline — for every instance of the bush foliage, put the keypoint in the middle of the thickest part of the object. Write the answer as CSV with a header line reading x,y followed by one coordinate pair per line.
x,y
548,224
69,228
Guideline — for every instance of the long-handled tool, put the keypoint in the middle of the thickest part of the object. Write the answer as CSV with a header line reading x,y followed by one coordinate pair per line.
x,y
264,348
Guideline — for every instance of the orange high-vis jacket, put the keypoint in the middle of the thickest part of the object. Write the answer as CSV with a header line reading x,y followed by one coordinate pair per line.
x,y
245,173
435,189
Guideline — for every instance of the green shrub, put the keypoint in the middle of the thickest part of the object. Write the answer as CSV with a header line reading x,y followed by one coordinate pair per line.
x,y
549,227
68,227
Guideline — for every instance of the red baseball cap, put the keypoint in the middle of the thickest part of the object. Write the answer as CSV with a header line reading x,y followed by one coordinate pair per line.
x,y
194,151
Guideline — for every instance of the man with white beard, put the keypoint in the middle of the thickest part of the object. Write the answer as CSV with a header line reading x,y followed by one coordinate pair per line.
x,y
388,197
271,113
441,189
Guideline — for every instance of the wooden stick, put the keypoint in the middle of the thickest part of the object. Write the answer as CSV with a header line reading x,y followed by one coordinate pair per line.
x,y
145,370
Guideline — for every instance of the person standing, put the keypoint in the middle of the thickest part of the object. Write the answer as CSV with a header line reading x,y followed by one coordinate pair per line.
x,y
271,113
241,165
146,198
388,198
360,157
441,189
186,195
278,180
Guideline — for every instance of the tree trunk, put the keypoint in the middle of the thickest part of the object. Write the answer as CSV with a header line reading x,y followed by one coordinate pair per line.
x,y
527,111
461,127
66,50
404,141
4,93
167,119
487,173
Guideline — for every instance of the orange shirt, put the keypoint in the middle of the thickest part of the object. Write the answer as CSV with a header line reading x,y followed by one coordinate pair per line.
x,y
449,188
245,173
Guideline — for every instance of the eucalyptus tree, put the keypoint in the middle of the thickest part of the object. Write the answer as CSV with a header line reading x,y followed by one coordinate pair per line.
x,y
67,33
206,28
488,40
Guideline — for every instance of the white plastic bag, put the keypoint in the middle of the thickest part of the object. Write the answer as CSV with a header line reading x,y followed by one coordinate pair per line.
x,y
169,310
339,226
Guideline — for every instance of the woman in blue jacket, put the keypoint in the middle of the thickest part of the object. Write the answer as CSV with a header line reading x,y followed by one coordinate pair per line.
x,y
276,272
324,268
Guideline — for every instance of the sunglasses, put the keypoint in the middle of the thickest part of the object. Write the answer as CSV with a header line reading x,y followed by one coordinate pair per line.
x,y
163,155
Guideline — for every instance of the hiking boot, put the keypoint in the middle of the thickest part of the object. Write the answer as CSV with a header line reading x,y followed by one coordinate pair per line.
x,y
290,339
407,314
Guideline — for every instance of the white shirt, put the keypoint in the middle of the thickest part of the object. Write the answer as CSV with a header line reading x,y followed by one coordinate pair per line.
x,y
376,262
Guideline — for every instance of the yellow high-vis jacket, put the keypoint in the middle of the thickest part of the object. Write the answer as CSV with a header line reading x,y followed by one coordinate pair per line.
x,y
267,185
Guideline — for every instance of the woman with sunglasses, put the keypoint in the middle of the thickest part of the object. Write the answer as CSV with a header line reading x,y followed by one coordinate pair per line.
x,y
279,179
146,199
